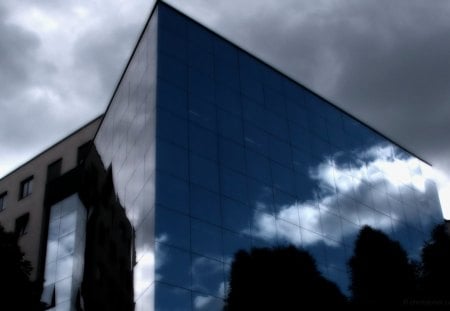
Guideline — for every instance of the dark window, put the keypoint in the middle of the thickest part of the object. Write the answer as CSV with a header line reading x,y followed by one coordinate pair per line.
x,y
54,170
22,224
2,201
83,152
26,187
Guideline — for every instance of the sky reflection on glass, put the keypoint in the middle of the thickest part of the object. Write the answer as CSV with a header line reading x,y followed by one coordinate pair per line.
x,y
228,154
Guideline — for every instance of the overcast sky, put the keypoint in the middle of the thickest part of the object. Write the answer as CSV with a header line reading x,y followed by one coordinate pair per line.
x,y
386,62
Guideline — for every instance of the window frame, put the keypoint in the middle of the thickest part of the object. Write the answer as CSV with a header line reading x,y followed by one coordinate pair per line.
x,y
2,200
54,169
26,187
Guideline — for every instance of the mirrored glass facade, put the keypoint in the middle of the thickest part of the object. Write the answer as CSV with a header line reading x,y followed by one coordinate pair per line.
x,y
65,254
212,152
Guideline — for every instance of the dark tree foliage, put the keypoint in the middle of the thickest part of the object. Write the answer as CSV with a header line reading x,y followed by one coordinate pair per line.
x,y
16,290
435,270
284,278
380,271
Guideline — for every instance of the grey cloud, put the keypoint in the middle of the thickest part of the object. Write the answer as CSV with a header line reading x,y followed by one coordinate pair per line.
x,y
101,55
17,50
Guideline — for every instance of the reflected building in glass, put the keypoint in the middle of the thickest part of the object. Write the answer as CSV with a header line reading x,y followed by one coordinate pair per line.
x,y
210,151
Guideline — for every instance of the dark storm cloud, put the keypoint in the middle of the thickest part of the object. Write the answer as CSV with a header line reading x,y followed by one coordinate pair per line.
x,y
18,50
103,53
58,68
17,47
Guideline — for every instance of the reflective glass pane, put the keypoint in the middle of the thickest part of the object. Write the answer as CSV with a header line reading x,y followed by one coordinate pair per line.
x,y
172,192
172,159
205,205
172,98
206,239
64,267
208,276
63,290
66,245
232,155
172,70
168,298
172,227
236,216
171,265
204,172
258,166
230,126
203,142
172,128
202,112
233,185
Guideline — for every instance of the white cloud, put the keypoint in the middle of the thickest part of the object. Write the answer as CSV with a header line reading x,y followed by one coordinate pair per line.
x,y
383,172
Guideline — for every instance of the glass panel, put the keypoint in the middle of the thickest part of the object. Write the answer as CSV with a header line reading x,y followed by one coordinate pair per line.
x,y
173,71
205,205
232,155
283,178
169,298
230,126
171,266
274,101
68,223
256,139
63,290
227,73
201,86
172,192
202,112
258,167
203,142
206,239
236,216
200,59
172,228
234,242
280,152
172,128
208,276
66,245
172,98
64,267
204,172
233,185
228,99
172,159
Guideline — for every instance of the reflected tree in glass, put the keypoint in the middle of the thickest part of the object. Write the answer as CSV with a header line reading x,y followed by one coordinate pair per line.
x,y
381,273
284,278
435,268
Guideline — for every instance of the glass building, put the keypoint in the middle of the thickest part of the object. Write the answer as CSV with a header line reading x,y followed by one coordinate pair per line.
x,y
212,151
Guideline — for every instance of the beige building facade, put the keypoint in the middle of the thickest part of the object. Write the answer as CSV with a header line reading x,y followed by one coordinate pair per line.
x,y
22,191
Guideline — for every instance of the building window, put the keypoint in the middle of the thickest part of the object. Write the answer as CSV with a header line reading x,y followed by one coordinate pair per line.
x,y
22,224
26,187
2,201
83,152
54,170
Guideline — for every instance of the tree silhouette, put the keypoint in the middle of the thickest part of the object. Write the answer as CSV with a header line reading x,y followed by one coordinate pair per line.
x,y
380,271
435,270
282,278
16,290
